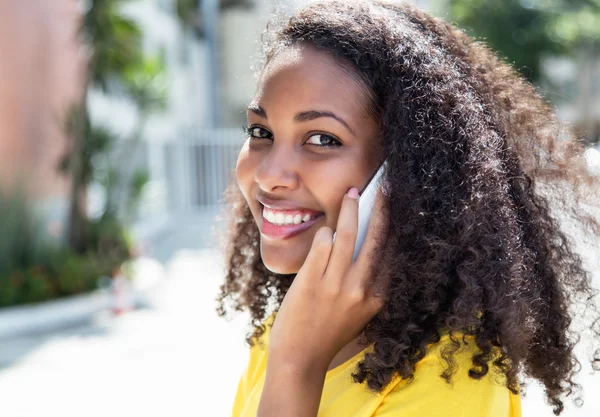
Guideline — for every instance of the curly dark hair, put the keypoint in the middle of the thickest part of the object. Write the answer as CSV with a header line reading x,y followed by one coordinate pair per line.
x,y
476,160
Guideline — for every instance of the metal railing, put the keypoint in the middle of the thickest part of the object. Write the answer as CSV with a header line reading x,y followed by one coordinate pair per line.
x,y
191,172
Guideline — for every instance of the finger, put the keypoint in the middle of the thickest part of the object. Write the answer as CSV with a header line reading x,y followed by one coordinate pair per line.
x,y
318,256
345,236
375,234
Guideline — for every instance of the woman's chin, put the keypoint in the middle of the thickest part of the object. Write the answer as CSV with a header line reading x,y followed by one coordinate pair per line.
x,y
279,267
281,263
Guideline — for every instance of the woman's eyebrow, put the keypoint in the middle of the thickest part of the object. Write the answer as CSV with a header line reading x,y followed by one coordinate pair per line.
x,y
256,109
304,116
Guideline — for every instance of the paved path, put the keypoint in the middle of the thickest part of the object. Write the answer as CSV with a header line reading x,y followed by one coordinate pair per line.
x,y
176,358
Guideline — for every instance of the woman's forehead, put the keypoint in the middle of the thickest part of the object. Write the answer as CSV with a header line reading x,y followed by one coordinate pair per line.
x,y
298,77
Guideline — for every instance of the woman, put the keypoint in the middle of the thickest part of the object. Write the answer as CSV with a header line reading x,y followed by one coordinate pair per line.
x,y
464,281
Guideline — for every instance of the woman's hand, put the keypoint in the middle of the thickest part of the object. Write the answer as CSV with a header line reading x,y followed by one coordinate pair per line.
x,y
329,302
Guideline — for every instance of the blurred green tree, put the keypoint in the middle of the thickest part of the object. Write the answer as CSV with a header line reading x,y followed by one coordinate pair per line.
x,y
188,12
523,31
116,65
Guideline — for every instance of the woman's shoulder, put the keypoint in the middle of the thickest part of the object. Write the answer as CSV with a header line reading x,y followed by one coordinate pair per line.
x,y
261,342
429,393
259,347
453,355
257,361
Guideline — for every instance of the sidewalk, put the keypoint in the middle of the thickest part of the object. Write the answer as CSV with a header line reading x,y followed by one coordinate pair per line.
x,y
165,359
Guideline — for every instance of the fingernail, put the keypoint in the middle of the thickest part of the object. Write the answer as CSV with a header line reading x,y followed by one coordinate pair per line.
x,y
353,192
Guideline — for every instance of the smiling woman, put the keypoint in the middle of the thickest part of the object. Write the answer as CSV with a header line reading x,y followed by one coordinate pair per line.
x,y
309,140
465,282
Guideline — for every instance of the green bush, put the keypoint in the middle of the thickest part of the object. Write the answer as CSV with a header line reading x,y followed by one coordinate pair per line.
x,y
22,242
107,238
10,287
77,273
34,269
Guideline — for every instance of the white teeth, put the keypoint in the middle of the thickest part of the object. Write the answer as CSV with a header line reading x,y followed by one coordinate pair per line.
x,y
279,218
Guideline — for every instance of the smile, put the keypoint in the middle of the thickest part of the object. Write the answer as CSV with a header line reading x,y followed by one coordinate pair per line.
x,y
287,217
283,224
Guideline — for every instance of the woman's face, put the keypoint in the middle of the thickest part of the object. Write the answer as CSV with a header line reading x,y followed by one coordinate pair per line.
x,y
311,140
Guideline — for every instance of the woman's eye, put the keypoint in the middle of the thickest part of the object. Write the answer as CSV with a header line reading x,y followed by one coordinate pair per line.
x,y
321,139
256,132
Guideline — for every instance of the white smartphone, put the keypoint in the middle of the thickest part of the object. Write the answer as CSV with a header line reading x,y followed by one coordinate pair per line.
x,y
366,202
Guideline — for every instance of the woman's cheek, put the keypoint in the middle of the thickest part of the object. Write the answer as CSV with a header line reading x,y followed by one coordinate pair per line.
x,y
244,171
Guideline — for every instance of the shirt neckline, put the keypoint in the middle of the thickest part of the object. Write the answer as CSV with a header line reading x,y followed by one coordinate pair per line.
x,y
343,366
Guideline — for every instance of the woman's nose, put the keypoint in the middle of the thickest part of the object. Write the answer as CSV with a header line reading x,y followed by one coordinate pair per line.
x,y
277,169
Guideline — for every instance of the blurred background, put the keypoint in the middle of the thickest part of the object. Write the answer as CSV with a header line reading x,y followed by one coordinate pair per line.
x,y
119,129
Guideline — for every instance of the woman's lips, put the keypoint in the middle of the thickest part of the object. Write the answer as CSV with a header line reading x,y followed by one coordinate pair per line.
x,y
277,232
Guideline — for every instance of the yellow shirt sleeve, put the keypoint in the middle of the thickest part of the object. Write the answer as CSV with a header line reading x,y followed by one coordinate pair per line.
x,y
250,375
429,394
241,394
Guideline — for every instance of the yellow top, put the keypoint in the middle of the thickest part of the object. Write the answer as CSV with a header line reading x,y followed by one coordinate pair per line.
x,y
427,395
